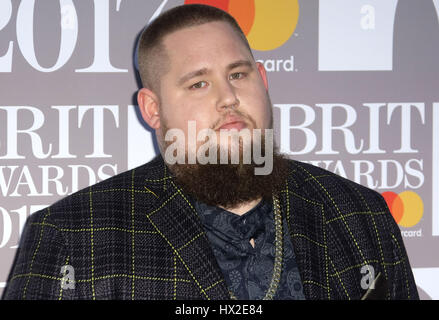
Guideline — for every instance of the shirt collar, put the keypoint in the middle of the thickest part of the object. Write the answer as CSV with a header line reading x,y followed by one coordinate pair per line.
x,y
232,226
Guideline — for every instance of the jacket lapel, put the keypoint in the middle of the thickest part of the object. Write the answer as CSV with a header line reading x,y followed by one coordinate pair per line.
x,y
174,217
305,219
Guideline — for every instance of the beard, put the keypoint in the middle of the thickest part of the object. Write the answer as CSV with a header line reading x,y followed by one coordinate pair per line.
x,y
229,185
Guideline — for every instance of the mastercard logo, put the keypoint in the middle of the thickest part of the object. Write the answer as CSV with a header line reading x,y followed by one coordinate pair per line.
x,y
267,24
407,207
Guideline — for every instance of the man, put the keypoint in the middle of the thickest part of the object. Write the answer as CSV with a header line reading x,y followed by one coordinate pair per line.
x,y
181,230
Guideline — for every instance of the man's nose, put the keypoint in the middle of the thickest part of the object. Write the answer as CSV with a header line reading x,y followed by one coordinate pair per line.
x,y
226,96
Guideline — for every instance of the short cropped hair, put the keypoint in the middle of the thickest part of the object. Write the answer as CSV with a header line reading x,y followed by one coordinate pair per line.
x,y
151,49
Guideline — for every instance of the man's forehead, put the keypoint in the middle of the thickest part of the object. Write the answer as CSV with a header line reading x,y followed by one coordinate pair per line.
x,y
203,42
199,36
204,29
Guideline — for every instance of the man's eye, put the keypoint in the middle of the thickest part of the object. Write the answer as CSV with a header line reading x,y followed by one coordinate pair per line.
x,y
237,75
198,85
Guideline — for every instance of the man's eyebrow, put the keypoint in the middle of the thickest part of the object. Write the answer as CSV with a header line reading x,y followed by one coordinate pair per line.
x,y
204,71
193,74
239,63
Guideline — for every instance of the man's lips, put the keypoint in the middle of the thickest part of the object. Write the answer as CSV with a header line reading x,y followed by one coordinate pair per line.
x,y
239,125
233,122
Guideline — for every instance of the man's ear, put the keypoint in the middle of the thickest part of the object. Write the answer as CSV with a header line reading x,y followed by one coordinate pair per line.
x,y
263,74
149,107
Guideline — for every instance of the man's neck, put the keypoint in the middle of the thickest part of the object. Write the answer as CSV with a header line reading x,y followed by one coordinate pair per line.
x,y
243,207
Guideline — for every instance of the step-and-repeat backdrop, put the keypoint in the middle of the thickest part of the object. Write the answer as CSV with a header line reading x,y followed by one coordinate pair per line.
x,y
354,86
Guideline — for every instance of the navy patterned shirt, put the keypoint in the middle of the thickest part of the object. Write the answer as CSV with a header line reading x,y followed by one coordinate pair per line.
x,y
248,271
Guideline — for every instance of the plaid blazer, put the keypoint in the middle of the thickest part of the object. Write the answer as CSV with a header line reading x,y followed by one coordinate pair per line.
x,y
138,236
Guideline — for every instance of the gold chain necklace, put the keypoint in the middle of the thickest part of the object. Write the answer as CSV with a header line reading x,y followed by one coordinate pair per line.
x,y
277,269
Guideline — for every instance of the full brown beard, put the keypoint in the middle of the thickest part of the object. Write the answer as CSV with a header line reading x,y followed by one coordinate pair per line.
x,y
229,185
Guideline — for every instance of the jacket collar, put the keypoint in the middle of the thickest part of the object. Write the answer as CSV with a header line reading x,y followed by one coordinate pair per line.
x,y
174,217
306,224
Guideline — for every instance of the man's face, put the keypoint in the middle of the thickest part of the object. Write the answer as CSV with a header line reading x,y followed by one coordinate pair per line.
x,y
212,79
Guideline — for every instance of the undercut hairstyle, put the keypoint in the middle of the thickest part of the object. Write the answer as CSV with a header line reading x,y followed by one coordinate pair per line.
x,y
152,58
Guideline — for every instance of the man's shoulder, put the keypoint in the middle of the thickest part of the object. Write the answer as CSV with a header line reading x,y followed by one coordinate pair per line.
x,y
108,196
345,204
326,186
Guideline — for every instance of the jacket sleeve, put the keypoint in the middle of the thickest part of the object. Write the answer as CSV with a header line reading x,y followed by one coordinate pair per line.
x,y
401,282
36,271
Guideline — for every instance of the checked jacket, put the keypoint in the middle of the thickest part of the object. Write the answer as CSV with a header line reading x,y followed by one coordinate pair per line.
x,y
138,236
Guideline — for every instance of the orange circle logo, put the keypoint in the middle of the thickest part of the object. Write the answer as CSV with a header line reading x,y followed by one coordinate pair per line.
x,y
407,207
267,24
